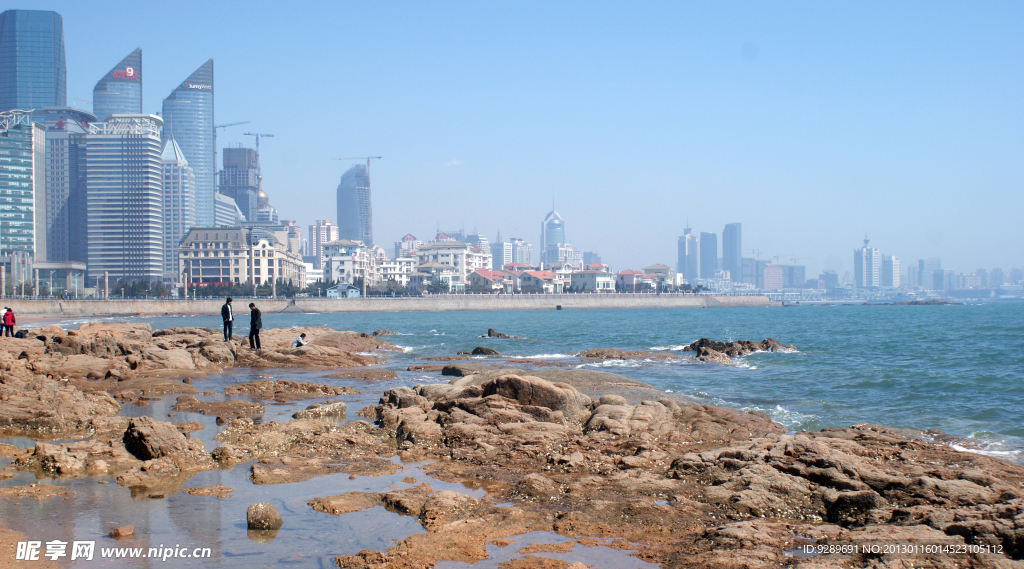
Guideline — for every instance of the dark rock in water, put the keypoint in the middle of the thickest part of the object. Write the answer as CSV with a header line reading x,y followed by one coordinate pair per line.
x,y
384,333
482,351
427,367
924,303
462,370
492,333
148,439
739,348
263,516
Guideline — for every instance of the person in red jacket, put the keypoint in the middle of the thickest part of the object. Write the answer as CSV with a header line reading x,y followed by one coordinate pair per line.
x,y
9,322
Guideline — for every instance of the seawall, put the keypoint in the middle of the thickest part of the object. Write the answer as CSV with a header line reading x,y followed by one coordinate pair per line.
x,y
437,303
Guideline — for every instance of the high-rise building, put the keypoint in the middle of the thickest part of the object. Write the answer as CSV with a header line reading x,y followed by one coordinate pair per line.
x,y
240,180
323,231
120,90
226,211
926,269
867,266
689,257
773,277
996,278
590,258
890,272
749,271
477,240
830,278
65,130
188,117
708,255
793,276
22,186
552,236
33,73
355,211
732,250
179,204
124,198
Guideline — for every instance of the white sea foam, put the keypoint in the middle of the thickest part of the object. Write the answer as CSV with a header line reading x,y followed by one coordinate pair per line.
x,y
783,416
990,450
405,349
668,348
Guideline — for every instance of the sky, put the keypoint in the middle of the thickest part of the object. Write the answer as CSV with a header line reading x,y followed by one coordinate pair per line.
x,y
811,123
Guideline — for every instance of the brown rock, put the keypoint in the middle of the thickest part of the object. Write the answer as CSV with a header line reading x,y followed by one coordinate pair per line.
x,y
263,516
321,410
367,374
227,409
285,390
148,439
123,532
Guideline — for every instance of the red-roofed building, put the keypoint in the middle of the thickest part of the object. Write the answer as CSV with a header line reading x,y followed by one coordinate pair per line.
x,y
494,281
517,267
541,281
634,281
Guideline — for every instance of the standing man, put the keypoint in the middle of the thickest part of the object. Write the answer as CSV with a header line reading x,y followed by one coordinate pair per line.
x,y
255,323
228,315
9,322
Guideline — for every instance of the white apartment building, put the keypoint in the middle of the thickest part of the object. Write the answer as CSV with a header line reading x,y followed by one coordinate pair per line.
x,y
344,261
450,254
398,270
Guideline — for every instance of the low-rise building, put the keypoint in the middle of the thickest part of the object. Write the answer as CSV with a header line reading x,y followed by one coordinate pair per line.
x,y
313,275
493,281
237,255
344,261
541,281
343,291
407,246
397,270
632,281
449,253
591,281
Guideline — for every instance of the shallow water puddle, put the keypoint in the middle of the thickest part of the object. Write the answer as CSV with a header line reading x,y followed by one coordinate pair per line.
x,y
597,556
307,539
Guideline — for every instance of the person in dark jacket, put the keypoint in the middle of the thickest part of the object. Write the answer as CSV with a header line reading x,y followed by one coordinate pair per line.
x,y
9,322
255,323
228,315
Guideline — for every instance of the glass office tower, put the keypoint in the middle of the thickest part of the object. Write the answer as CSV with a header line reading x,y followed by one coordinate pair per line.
x,y
124,198
22,190
355,214
120,90
33,74
188,117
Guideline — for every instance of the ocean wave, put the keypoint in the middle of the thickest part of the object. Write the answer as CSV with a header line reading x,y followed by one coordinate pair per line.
x,y
405,349
678,348
781,415
987,450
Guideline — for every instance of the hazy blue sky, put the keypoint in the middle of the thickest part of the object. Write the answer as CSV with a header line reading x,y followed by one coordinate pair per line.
x,y
809,122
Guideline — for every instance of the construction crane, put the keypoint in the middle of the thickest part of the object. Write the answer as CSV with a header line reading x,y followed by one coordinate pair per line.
x,y
367,158
259,163
230,124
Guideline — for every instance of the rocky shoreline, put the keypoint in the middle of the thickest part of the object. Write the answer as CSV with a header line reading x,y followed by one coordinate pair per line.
x,y
593,457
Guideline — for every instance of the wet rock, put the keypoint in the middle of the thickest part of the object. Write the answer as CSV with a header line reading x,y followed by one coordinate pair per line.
x,y
384,333
461,370
492,333
367,374
37,492
263,516
148,439
616,354
346,503
426,367
123,532
446,358
482,351
740,348
52,407
285,390
226,409
218,491
710,356
321,410
850,508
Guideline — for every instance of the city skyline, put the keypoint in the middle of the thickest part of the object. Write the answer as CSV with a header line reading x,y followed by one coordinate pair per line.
x,y
883,147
